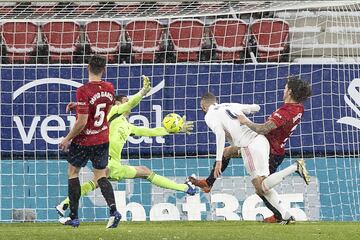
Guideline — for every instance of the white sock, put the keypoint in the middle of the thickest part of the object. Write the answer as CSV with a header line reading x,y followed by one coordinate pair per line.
x,y
275,178
273,198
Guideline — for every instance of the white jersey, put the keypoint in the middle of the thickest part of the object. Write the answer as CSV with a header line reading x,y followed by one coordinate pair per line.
x,y
222,120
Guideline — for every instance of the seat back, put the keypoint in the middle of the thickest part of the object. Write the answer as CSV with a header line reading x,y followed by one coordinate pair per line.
x,y
145,36
19,37
62,37
186,35
103,36
229,34
271,34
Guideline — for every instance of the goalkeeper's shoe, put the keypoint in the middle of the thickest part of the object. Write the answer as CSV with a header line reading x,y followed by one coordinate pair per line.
x,y
201,183
70,222
290,220
301,170
191,190
61,208
272,219
114,220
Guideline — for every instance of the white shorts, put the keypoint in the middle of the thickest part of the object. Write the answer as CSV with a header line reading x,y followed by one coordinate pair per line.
x,y
256,157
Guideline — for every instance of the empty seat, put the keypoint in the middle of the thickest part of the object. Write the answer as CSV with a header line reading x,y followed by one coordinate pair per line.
x,y
145,38
187,38
271,37
19,39
104,38
229,36
62,38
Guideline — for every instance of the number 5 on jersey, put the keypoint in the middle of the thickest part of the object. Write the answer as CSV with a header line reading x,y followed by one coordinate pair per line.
x,y
99,114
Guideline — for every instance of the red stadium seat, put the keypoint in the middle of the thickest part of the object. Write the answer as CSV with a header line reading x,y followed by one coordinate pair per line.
x,y
271,36
145,38
104,37
229,36
20,40
62,38
187,38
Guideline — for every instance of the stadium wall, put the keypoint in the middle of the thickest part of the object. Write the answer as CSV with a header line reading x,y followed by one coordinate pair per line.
x,y
33,101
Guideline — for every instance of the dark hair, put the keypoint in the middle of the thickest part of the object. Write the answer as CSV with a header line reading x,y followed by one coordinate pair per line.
x,y
120,97
300,89
97,64
208,97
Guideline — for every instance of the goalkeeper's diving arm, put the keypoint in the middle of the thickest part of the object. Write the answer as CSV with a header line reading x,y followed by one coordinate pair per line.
x,y
188,126
134,100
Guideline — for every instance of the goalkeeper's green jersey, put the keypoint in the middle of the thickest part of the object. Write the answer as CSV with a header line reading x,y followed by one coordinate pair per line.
x,y
121,129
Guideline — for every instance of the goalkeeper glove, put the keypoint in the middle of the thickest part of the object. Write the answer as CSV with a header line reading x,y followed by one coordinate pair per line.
x,y
188,126
146,86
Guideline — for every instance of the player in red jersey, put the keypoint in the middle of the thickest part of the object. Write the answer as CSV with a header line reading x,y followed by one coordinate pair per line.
x,y
89,140
277,130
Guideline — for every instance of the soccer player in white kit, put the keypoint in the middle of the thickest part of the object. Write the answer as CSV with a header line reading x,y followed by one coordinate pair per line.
x,y
254,147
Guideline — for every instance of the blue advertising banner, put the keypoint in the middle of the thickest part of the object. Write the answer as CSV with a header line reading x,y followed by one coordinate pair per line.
x,y
33,118
33,102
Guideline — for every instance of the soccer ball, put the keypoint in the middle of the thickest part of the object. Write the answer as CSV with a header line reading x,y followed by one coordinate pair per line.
x,y
173,123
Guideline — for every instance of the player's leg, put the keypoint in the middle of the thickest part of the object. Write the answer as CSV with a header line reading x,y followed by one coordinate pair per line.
x,y
229,152
163,182
74,190
256,162
206,184
274,162
117,172
77,158
85,189
273,201
276,178
99,162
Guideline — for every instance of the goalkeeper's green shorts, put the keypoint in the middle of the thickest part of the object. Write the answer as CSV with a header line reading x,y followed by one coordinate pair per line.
x,y
119,172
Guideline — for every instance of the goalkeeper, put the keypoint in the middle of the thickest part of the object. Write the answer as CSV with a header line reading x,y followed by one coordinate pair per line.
x,y
119,131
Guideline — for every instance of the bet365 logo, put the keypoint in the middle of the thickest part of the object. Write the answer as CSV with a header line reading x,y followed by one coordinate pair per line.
x,y
353,92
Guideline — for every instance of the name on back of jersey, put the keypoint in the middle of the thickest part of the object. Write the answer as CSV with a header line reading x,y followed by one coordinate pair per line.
x,y
101,94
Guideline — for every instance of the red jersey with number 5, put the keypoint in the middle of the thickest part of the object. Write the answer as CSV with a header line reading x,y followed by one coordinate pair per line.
x,y
286,118
94,99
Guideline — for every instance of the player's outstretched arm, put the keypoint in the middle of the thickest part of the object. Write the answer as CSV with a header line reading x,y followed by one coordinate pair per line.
x,y
134,100
247,108
148,132
188,126
263,128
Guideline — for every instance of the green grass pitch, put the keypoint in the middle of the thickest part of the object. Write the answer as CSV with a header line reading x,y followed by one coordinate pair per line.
x,y
184,230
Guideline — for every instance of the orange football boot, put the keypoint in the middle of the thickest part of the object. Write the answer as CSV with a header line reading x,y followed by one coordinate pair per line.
x,y
201,183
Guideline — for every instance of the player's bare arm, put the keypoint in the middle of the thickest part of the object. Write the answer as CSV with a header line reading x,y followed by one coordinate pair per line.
x,y
263,128
70,107
217,169
76,130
